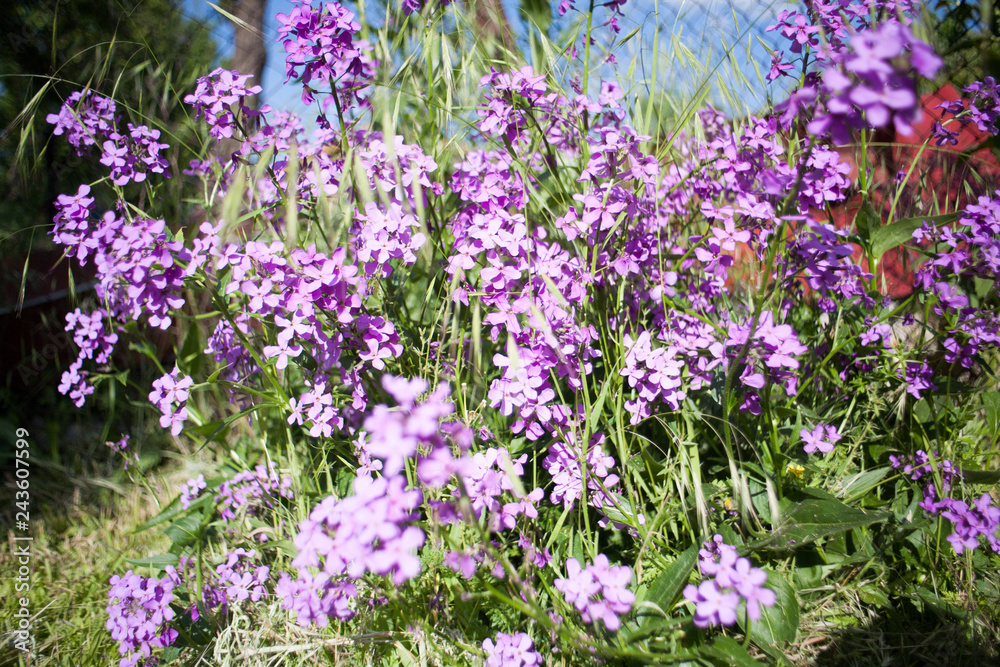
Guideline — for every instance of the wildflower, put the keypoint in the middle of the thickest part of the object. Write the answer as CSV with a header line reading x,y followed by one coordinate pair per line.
x,y
191,490
717,600
823,438
514,650
598,591
214,99
170,394
138,615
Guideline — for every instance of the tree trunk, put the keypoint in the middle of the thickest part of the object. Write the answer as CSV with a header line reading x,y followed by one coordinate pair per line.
x,y
249,58
251,53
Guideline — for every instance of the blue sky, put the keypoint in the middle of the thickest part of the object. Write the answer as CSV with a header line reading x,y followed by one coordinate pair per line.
x,y
707,28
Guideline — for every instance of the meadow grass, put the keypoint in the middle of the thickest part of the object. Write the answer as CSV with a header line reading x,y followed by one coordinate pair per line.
x,y
875,581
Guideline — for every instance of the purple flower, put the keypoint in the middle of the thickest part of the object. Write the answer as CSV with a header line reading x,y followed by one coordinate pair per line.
x,y
713,606
320,50
86,119
345,539
514,650
598,591
251,489
191,490
170,394
215,98
717,600
823,438
138,615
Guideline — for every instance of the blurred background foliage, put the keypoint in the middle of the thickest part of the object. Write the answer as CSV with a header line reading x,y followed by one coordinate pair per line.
x,y
142,53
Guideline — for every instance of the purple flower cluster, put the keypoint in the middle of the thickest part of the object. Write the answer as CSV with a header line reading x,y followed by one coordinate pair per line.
x,y
598,591
251,489
131,157
822,256
169,395
774,348
967,251
970,522
868,74
94,343
320,50
366,532
716,600
568,467
119,446
655,373
240,579
395,435
138,613
219,97
85,118
823,439
514,650
191,490
920,466
88,119
138,268
387,236
982,108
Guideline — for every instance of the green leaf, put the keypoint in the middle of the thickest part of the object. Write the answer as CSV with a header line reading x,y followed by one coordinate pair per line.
x,y
217,427
780,621
174,509
859,484
167,513
874,595
214,429
991,402
633,633
814,518
933,600
406,658
981,476
728,652
185,530
158,562
897,233
668,585
867,220
983,286
191,351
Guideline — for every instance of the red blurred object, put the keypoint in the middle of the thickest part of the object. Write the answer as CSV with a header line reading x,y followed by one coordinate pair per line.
x,y
943,180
